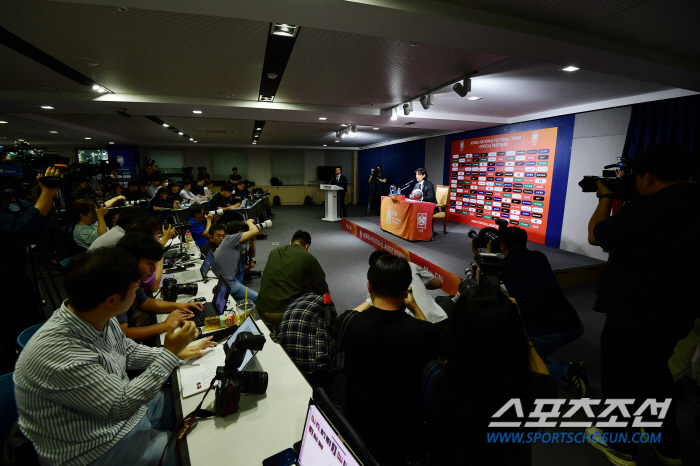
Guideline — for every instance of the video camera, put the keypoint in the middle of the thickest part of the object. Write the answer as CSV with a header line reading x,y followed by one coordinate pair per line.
x,y
171,289
235,382
488,234
19,174
623,188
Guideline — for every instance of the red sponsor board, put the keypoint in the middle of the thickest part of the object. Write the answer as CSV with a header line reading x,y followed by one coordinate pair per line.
x,y
450,281
507,176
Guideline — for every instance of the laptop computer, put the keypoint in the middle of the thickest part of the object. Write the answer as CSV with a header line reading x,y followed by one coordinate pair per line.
x,y
191,276
218,305
197,373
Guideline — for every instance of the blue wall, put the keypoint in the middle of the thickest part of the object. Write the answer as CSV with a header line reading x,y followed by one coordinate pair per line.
x,y
560,173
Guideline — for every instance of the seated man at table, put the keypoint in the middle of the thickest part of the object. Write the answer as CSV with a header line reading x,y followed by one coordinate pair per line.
x,y
427,188
224,200
147,251
385,353
198,187
227,258
286,270
240,193
216,236
201,222
74,399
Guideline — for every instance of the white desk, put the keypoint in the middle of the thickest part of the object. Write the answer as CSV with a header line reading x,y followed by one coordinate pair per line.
x,y
264,425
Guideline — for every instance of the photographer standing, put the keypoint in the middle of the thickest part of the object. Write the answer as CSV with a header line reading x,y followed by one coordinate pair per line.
x,y
646,290
378,186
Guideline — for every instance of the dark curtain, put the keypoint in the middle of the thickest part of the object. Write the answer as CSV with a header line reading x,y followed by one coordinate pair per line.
x,y
398,161
674,120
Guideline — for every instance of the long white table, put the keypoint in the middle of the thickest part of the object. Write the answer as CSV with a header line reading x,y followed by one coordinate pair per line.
x,y
264,425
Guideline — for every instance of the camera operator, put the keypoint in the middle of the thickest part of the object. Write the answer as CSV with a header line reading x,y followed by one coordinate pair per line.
x,y
378,182
646,290
116,233
201,222
17,229
90,220
227,258
147,251
549,318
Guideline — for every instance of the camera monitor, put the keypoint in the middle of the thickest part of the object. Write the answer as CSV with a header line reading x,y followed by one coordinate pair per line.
x,y
328,437
248,325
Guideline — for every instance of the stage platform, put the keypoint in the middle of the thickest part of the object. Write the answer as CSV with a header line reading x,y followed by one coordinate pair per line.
x,y
452,252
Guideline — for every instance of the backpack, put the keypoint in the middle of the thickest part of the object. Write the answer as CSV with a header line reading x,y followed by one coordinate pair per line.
x,y
276,200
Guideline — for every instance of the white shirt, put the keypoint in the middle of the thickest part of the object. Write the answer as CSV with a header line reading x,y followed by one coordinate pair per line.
x,y
111,238
185,194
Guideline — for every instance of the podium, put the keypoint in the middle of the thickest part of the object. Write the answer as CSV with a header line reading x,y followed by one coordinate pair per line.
x,y
331,191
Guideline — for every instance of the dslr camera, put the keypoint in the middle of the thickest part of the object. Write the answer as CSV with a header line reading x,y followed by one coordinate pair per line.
x,y
171,289
623,188
235,382
488,234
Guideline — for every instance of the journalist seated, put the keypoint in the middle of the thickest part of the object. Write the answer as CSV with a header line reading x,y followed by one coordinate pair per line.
x,y
305,334
549,318
161,201
90,220
148,252
217,234
75,401
385,353
489,361
227,258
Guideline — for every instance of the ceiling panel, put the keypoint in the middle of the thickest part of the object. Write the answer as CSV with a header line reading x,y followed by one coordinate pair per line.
x,y
21,74
146,52
344,69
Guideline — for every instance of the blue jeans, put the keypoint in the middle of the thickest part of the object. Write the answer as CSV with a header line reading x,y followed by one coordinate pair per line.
x,y
145,443
547,344
238,291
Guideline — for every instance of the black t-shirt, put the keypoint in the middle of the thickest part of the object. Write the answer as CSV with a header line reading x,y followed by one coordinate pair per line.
x,y
217,201
238,195
529,279
647,286
385,353
447,434
197,190
234,178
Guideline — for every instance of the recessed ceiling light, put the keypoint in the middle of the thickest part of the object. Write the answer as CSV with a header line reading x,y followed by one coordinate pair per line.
x,y
266,98
258,129
191,139
95,87
181,133
570,68
88,138
166,125
20,140
196,111
375,129
194,141
337,141
283,29
47,107
322,118
473,97
3,122
255,142
111,143
53,132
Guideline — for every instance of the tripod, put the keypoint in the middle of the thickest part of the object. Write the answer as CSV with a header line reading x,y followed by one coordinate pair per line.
x,y
370,196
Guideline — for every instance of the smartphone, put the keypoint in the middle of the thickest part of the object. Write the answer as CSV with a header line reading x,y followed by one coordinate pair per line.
x,y
284,458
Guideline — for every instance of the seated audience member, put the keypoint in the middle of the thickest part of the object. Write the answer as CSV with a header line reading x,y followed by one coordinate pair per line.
x,y
202,172
75,402
549,318
198,187
201,222
153,188
160,201
224,200
174,192
150,226
147,174
227,258
286,270
114,191
132,192
303,333
143,190
113,236
421,280
240,192
489,361
208,187
216,236
186,194
91,220
235,177
147,251
385,353
82,190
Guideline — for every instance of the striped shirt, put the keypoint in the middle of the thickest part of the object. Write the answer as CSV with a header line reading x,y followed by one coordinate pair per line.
x,y
85,235
74,399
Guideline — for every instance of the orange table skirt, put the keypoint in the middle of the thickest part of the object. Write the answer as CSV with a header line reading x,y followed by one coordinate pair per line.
x,y
411,220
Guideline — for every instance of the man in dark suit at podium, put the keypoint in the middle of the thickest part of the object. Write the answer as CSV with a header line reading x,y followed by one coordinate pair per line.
x,y
425,186
340,180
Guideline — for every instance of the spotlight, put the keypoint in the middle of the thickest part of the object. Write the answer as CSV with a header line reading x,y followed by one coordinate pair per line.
x,y
408,108
353,131
283,29
463,89
426,101
570,68
165,125
266,98
394,114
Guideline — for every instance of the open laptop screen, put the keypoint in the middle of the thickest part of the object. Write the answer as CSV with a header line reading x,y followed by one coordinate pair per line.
x,y
321,444
206,265
248,325
221,296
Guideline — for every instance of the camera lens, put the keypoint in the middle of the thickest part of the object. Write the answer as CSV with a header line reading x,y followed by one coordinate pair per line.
x,y
253,382
188,288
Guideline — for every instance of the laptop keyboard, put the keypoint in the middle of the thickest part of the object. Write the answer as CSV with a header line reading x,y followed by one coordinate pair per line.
x,y
209,311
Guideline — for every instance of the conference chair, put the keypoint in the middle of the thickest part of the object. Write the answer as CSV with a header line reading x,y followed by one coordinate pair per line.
x,y
441,196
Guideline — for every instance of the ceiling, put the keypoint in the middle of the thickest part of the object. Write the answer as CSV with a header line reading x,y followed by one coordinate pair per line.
x,y
350,63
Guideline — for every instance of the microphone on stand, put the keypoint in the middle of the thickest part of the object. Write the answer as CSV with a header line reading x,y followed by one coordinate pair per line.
x,y
405,186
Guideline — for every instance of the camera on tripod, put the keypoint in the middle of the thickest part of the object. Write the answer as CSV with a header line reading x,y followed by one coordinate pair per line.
x,y
623,188
235,382
171,289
